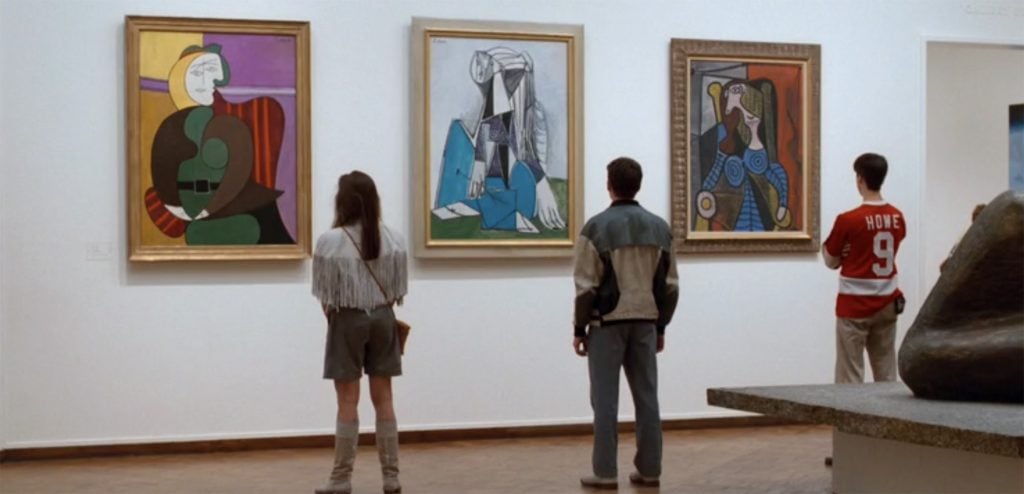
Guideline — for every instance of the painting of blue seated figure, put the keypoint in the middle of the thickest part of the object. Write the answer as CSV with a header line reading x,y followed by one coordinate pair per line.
x,y
500,169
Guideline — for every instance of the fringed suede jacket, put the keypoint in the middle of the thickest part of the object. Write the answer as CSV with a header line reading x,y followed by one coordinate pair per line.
x,y
341,279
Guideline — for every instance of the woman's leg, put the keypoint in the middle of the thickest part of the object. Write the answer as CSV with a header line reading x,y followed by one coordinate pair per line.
x,y
348,399
380,394
346,438
387,431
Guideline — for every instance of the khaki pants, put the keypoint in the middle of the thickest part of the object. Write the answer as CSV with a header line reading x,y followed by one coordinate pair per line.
x,y
876,333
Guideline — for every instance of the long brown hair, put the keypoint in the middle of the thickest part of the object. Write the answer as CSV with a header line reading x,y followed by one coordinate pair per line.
x,y
357,201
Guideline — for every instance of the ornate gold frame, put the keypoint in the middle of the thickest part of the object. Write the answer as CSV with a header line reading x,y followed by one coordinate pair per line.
x,y
134,26
423,30
683,53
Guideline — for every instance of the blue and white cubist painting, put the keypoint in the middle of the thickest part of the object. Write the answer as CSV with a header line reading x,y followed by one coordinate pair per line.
x,y
498,139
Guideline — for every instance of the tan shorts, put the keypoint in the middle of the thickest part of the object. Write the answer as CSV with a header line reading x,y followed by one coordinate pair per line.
x,y
358,340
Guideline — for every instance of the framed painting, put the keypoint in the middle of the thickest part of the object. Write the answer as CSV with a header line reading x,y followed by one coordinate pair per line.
x,y
498,138
745,146
218,139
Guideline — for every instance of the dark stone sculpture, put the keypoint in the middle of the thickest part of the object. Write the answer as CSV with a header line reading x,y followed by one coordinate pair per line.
x,y
967,342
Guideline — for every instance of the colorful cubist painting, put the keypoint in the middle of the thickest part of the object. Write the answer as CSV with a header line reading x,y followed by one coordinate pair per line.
x,y
745,146
218,138
746,159
500,165
500,143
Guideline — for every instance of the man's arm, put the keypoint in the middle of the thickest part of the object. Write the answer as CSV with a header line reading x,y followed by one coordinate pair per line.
x,y
666,292
587,273
666,289
832,250
833,262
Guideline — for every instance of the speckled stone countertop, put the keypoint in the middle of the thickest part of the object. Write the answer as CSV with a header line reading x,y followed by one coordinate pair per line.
x,y
888,411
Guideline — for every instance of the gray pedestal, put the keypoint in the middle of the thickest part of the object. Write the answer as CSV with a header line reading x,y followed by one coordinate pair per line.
x,y
887,441
866,464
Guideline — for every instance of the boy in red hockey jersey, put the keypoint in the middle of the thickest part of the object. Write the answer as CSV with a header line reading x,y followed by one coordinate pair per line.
x,y
864,242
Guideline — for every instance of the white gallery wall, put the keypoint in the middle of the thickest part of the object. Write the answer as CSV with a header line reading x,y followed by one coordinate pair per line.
x,y
969,87
3,186
97,350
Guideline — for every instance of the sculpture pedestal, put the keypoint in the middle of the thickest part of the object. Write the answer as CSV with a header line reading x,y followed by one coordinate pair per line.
x,y
887,441
867,464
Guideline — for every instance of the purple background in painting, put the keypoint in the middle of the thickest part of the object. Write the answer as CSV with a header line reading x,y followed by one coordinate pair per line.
x,y
267,61
287,170
257,60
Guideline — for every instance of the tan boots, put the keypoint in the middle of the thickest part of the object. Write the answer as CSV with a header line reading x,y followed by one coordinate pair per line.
x,y
387,451
346,439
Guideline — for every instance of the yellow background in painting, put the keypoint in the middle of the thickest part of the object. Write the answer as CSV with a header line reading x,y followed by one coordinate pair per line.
x,y
155,107
159,50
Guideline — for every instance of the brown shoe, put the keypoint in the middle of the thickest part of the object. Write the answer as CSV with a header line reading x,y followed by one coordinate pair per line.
x,y
595,482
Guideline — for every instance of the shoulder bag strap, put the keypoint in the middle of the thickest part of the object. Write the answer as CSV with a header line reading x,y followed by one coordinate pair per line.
x,y
368,268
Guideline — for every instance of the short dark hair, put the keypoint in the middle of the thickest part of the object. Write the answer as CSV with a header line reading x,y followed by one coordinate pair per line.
x,y
872,168
624,177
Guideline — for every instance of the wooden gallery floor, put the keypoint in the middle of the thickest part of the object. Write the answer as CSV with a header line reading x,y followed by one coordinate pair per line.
x,y
747,460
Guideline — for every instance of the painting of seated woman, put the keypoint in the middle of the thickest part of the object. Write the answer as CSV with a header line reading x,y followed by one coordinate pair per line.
x,y
218,153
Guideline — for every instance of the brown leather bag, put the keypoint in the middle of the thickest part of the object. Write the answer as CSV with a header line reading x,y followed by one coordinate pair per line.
x,y
402,328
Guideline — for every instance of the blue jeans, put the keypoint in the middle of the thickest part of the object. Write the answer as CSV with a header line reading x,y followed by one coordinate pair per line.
x,y
632,347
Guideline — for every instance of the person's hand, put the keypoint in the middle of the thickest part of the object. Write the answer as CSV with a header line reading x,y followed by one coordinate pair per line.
x,y
178,211
476,180
547,206
780,215
661,343
580,345
783,217
845,252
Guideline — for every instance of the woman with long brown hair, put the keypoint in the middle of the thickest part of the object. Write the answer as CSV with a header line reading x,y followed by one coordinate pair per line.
x,y
359,273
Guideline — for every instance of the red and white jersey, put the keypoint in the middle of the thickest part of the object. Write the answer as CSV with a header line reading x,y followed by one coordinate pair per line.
x,y
867,281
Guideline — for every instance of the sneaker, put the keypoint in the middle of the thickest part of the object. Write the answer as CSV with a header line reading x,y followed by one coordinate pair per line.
x,y
636,479
596,482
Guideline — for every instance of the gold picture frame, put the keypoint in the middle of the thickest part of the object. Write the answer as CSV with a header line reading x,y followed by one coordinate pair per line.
x,y
497,173
745,146
218,139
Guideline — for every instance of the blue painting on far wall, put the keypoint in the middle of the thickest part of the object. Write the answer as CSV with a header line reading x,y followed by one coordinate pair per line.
x,y
1017,147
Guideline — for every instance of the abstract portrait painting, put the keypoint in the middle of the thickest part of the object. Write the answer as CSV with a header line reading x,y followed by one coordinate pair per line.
x,y
745,146
499,137
218,139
